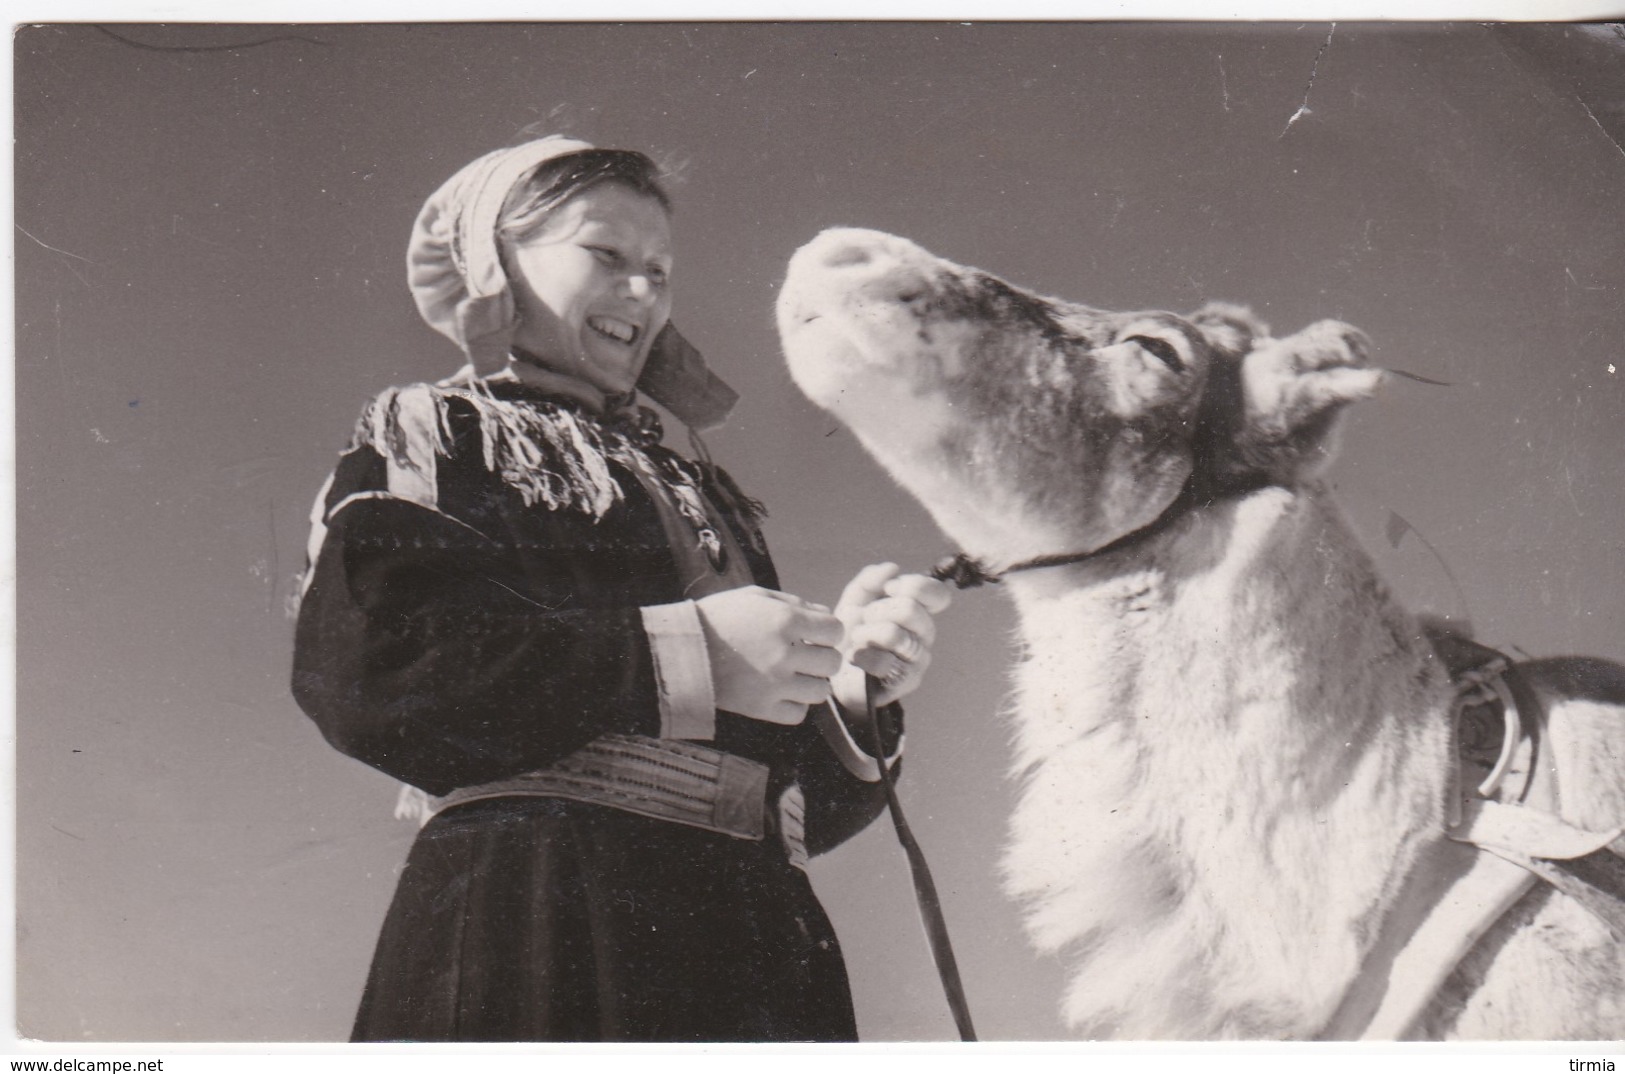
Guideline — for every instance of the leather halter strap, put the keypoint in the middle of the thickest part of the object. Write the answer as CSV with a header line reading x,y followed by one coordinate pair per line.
x,y
968,572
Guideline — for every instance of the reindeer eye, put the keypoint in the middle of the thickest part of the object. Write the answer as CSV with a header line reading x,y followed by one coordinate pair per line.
x,y
1161,350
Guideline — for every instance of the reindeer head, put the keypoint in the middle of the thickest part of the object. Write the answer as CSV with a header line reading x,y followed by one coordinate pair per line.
x,y
1030,426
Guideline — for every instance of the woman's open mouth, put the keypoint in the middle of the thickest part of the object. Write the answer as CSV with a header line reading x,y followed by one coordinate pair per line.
x,y
622,332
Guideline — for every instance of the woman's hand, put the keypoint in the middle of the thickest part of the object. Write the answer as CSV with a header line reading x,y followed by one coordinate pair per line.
x,y
888,616
772,654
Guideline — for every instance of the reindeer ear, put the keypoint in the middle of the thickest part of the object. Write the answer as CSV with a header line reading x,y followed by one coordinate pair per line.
x,y
1293,390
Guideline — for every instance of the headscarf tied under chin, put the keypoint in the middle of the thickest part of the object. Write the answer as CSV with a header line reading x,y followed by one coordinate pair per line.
x,y
454,269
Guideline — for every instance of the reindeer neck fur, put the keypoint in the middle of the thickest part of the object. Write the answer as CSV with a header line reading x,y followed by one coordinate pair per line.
x,y
1242,697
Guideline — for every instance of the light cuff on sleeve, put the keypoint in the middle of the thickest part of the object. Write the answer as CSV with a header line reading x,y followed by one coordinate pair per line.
x,y
682,667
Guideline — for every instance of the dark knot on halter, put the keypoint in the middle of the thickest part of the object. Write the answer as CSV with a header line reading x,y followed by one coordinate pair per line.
x,y
963,571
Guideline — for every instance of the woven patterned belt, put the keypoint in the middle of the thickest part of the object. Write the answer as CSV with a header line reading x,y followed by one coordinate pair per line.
x,y
666,779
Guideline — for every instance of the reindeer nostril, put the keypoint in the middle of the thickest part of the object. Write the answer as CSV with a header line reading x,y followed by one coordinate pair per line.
x,y
1358,345
847,255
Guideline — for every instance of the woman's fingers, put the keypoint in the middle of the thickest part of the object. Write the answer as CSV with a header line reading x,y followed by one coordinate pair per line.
x,y
890,638
891,635
867,585
933,594
791,621
771,653
819,661
899,612
791,599
887,666
814,628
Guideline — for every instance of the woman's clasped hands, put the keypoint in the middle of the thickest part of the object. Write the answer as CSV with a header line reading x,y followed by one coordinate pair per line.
x,y
772,654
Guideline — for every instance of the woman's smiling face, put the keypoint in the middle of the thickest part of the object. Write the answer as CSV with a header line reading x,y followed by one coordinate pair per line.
x,y
592,285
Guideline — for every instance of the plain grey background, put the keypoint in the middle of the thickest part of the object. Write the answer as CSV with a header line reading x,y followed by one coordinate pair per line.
x,y
211,224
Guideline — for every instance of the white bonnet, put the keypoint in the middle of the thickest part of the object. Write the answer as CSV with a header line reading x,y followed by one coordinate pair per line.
x,y
452,264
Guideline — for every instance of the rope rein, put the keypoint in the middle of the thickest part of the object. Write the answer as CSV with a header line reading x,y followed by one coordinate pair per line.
x,y
925,889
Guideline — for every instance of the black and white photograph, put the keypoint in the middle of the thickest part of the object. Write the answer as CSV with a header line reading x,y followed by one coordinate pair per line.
x,y
715,532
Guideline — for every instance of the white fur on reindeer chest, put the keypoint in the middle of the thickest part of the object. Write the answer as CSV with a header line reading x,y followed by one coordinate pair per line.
x,y
1209,769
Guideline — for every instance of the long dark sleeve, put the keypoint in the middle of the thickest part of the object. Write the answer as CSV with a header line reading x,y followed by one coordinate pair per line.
x,y
441,646
413,655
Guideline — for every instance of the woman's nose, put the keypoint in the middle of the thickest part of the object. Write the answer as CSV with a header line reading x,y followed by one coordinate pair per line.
x,y
640,287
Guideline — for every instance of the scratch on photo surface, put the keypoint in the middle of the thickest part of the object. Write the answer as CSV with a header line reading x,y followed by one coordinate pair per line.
x,y
1568,487
1600,127
521,596
176,228
121,39
59,250
1314,69
1582,286
275,571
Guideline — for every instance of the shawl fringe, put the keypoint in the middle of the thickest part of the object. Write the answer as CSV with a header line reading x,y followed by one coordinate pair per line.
x,y
549,454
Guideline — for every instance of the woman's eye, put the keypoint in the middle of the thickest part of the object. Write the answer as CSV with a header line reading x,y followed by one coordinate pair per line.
x,y
606,254
1161,350
656,275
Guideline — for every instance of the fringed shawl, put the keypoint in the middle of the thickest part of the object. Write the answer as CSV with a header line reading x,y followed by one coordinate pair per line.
x,y
547,452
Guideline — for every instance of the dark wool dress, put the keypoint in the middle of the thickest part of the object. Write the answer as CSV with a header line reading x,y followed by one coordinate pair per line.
x,y
479,560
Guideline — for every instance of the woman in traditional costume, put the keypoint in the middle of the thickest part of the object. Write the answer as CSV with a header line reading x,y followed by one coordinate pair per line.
x,y
568,642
